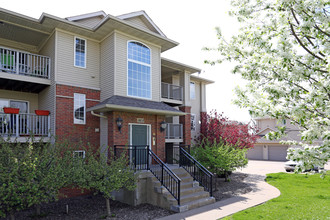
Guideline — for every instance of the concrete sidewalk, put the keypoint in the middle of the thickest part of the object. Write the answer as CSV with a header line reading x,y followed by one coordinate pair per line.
x,y
261,193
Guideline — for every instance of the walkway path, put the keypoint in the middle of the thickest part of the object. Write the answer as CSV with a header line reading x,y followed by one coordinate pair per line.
x,y
261,193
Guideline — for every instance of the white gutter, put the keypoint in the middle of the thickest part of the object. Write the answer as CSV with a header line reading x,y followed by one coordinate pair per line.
x,y
98,115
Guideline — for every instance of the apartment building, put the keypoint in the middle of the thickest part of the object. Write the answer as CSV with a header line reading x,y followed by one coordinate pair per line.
x,y
96,76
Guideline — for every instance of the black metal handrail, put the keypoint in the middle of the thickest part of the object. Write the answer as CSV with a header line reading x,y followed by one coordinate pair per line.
x,y
165,175
142,158
137,155
196,170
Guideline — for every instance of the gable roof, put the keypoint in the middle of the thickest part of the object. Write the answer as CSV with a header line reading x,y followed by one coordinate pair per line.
x,y
86,16
45,25
144,17
122,103
265,130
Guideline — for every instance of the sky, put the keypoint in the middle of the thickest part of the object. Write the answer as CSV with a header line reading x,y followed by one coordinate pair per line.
x,y
191,23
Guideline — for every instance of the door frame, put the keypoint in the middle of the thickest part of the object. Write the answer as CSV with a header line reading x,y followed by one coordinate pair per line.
x,y
148,133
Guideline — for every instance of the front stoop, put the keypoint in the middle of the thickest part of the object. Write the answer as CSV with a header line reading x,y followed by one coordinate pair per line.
x,y
192,195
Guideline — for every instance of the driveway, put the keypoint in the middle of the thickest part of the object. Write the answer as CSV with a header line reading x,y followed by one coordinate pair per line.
x,y
262,167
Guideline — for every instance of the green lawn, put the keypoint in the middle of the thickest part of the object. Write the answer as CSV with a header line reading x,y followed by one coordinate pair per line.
x,y
302,197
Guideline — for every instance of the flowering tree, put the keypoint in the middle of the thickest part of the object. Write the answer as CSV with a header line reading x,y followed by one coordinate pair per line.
x,y
215,126
282,49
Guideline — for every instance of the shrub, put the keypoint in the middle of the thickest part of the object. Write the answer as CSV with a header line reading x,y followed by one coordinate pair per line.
x,y
220,158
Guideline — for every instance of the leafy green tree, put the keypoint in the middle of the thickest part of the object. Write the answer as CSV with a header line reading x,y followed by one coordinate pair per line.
x,y
283,50
104,175
31,173
220,158
16,177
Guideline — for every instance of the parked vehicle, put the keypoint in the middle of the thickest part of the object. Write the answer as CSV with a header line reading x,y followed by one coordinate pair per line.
x,y
290,166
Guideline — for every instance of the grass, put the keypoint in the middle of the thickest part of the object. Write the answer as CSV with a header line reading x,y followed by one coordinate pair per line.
x,y
302,197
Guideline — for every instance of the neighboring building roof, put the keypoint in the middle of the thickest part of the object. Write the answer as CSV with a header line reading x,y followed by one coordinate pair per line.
x,y
200,79
145,17
178,66
115,103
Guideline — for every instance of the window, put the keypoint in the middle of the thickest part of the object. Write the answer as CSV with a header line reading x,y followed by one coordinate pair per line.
x,y
138,70
79,110
80,52
192,90
193,122
79,154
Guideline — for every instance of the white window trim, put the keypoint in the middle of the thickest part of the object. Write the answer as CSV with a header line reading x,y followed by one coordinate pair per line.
x,y
74,118
135,61
74,53
192,98
79,151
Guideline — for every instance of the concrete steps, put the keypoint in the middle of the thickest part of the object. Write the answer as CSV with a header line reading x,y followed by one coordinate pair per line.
x,y
191,194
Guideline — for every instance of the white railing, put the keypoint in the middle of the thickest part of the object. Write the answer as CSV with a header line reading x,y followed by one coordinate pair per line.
x,y
170,91
17,125
16,62
174,131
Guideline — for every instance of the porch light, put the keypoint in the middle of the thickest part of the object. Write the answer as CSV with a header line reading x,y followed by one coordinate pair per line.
x,y
163,126
119,122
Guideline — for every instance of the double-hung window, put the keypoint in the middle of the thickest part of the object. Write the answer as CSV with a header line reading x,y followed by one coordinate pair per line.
x,y
79,52
138,70
192,91
79,109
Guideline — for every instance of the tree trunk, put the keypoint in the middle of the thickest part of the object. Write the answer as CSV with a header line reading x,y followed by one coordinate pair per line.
x,y
107,201
12,216
226,176
38,210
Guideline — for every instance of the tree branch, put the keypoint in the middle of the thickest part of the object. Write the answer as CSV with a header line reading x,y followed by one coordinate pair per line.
x,y
301,44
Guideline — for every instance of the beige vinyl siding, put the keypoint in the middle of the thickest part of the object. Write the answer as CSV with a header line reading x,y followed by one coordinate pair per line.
x,y
47,96
32,98
121,67
195,107
266,123
67,73
137,21
90,22
107,67
104,135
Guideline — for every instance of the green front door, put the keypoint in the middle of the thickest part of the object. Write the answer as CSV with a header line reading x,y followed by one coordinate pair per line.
x,y
140,136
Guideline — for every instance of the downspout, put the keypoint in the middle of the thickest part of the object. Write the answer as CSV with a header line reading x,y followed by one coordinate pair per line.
x,y
98,115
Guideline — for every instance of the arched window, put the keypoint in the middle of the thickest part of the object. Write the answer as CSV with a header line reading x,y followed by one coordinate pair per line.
x,y
138,71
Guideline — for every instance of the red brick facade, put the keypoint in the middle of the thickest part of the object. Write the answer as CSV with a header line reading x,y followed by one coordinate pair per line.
x,y
65,128
186,122
117,138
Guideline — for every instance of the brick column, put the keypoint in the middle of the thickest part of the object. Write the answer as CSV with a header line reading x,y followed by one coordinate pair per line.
x,y
186,122
160,138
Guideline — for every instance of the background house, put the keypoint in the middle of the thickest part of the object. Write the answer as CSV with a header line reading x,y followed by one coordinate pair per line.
x,y
272,150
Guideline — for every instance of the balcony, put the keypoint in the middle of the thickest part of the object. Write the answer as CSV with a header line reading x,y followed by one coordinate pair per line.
x,y
23,71
174,132
172,93
23,125
27,64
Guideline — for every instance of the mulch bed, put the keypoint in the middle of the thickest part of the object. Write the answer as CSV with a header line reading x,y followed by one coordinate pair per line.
x,y
93,206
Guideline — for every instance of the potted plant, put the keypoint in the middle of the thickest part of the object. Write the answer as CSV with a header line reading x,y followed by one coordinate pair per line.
x,y
41,112
9,110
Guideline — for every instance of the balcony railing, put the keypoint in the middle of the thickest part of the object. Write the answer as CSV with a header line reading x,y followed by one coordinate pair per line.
x,y
18,125
16,62
170,91
174,131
